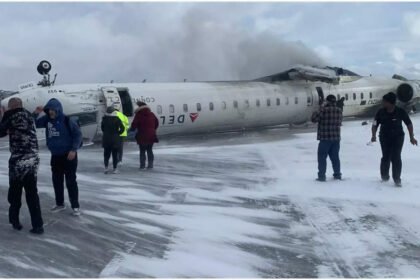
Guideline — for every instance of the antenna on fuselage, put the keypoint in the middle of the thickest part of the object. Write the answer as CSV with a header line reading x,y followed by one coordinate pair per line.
x,y
44,68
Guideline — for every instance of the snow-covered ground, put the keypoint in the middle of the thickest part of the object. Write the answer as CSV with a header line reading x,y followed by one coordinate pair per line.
x,y
243,205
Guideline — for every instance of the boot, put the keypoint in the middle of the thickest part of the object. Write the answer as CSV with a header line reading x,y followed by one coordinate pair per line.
x,y
39,230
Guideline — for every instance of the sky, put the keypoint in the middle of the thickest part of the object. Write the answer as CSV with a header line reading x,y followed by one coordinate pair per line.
x,y
160,42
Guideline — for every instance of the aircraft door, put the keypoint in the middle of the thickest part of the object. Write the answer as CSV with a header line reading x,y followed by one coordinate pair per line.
x,y
320,95
112,97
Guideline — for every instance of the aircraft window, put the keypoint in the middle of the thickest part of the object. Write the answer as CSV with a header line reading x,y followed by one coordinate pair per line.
x,y
258,103
287,100
246,104
235,104
198,107
185,108
309,100
224,105
171,109
211,106
159,109
278,101
370,95
362,96
354,96
347,96
296,100
268,102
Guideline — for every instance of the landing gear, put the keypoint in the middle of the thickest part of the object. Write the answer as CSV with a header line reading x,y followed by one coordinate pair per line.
x,y
44,68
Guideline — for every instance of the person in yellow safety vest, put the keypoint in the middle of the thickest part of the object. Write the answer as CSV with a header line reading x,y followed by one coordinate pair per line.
x,y
123,135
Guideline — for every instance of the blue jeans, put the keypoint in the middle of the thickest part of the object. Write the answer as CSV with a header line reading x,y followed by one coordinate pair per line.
x,y
329,148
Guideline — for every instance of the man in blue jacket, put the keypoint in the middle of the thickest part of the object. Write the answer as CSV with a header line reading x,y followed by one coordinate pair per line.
x,y
64,138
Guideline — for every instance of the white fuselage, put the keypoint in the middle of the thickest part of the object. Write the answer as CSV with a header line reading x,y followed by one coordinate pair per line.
x,y
201,107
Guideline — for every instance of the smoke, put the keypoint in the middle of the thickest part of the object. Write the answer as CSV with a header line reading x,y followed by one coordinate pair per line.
x,y
130,42
206,49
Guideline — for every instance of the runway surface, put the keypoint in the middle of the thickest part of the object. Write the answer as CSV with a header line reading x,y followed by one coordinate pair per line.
x,y
233,205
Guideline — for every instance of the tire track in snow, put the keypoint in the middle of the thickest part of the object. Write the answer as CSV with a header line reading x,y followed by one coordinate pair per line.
x,y
112,267
365,237
314,218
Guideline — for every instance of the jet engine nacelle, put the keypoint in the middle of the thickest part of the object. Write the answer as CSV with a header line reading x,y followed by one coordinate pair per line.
x,y
406,92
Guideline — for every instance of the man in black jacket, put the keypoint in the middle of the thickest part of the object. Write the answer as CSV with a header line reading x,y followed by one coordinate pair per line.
x,y
391,136
19,124
112,127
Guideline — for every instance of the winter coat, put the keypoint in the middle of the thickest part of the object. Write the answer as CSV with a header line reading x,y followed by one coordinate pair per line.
x,y
63,134
391,123
112,127
123,118
20,126
146,123
329,119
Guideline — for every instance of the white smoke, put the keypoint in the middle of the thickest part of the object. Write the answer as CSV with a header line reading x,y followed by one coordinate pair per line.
x,y
157,42
208,50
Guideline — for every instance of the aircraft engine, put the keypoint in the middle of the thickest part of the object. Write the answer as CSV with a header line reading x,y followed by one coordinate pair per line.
x,y
405,92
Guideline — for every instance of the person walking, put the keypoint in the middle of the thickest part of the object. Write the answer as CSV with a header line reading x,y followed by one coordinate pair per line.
x,y
124,120
112,127
23,164
146,124
64,138
329,119
391,136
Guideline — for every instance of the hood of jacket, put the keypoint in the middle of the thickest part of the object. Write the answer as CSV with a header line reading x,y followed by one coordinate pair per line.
x,y
143,109
54,104
113,114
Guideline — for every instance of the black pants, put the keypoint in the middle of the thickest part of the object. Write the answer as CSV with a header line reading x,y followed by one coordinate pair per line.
x,y
62,168
16,185
115,156
148,148
391,153
121,150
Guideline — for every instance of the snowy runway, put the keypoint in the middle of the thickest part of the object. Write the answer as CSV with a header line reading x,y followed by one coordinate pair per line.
x,y
229,206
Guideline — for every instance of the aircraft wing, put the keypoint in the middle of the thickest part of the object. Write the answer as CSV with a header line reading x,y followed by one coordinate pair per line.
x,y
307,73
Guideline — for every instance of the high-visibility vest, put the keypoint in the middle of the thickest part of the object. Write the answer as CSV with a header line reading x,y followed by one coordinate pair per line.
x,y
125,123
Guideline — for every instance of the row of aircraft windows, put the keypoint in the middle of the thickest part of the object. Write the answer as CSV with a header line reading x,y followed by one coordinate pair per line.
x,y
257,103
362,96
224,105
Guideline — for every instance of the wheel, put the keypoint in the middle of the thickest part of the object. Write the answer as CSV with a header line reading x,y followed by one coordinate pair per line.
x,y
44,67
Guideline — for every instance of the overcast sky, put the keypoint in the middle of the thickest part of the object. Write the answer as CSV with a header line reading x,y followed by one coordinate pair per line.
x,y
129,42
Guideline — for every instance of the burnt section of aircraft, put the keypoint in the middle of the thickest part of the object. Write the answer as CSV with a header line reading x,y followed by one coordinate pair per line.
x,y
326,74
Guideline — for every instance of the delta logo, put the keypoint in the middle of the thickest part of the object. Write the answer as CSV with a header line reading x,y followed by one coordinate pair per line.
x,y
193,116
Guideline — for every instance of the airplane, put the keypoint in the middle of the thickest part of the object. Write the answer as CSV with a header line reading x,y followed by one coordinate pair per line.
x,y
185,108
